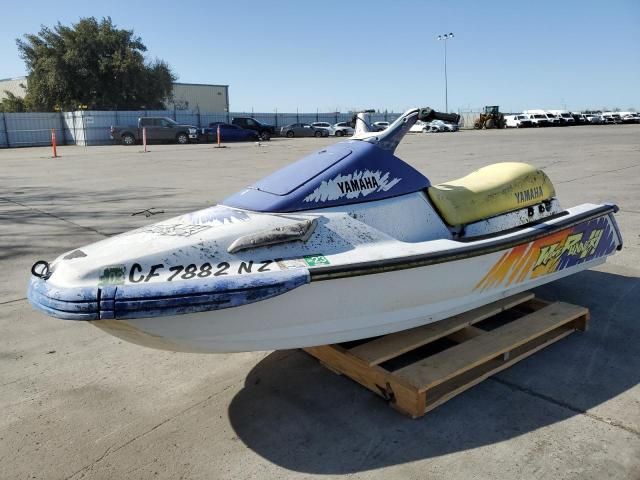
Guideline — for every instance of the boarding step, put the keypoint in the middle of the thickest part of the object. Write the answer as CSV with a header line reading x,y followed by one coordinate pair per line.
x,y
416,370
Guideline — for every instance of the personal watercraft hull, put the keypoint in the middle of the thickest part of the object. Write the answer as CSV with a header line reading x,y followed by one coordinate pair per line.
x,y
347,243
374,287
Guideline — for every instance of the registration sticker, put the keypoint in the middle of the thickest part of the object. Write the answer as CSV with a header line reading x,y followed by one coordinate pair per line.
x,y
316,260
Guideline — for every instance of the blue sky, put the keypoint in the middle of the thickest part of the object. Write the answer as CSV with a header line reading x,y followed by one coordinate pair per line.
x,y
331,55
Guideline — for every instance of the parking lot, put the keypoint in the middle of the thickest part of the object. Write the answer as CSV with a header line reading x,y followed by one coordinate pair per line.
x,y
80,404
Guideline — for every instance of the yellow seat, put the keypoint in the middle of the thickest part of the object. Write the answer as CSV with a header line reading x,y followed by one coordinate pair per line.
x,y
490,191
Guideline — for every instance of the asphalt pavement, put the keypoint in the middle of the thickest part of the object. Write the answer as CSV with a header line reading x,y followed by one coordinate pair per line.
x,y
78,403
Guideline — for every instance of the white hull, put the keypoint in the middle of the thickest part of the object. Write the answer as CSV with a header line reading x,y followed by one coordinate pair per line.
x,y
331,311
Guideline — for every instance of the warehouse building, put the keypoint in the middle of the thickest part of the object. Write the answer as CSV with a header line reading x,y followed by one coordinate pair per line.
x,y
13,85
199,96
186,96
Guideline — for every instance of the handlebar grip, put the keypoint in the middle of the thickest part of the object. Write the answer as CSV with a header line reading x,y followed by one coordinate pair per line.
x,y
427,114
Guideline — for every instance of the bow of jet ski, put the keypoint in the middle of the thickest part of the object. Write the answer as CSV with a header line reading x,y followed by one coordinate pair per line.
x,y
347,243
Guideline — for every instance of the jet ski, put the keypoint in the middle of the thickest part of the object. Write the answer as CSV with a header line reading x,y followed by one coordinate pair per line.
x,y
347,243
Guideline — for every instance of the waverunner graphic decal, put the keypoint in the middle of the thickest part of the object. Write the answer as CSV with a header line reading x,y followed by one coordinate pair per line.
x,y
171,230
353,185
566,248
217,215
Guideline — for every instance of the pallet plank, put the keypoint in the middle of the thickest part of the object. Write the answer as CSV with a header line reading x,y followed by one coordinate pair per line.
x,y
400,394
427,383
395,344
446,391
441,367
465,334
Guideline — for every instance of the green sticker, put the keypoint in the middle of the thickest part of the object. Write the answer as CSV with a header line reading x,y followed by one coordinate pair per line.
x,y
112,275
316,260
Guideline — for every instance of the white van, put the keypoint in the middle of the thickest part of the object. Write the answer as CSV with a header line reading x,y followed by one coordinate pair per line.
x,y
629,117
552,119
609,117
612,117
537,119
594,118
518,121
565,116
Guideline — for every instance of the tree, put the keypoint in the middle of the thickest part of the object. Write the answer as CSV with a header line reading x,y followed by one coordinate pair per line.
x,y
92,64
11,103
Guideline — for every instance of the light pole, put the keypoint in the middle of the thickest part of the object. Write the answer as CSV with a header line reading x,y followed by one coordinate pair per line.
x,y
445,37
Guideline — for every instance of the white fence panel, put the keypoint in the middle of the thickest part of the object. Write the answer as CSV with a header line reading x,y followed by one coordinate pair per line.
x,y
88,127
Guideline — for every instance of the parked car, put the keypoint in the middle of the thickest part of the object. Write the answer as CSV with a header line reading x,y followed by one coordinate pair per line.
x,y
608,119
554,120
564,116
303,130
159,129
441,126
342,129
265,130
594,119
543,114
435,126
228,133
420,127
518,121
379,126
326,125
630,117
538,119
580,118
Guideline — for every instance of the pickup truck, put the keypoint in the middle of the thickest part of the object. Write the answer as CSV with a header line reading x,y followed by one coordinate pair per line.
x,y
158,129
265,130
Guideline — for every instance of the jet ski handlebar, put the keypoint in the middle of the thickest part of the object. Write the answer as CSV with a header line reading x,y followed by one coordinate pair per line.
x,y
389,138
427,115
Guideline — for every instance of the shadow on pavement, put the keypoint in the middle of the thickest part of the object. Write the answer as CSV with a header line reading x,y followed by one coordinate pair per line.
x,y
298,415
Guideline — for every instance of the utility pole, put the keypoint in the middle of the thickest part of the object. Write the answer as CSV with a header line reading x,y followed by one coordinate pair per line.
x,y
445,37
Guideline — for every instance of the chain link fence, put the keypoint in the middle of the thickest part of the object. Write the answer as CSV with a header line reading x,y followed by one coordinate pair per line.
x,y
88,127
468,118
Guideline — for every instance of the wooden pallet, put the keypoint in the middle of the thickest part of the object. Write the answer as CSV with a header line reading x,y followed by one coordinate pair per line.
x,y
416,370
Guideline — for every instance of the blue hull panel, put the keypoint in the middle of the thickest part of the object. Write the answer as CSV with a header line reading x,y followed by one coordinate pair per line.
x,y
123,302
